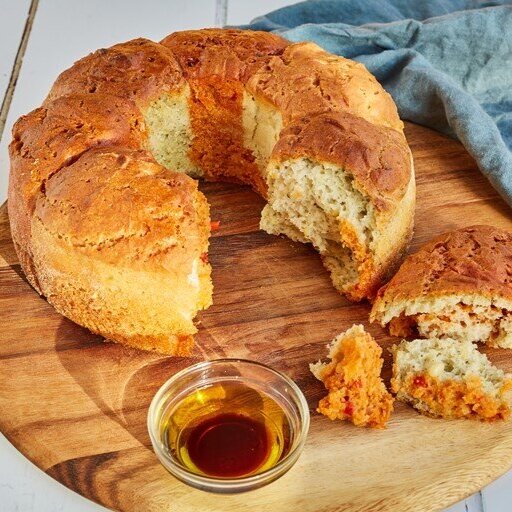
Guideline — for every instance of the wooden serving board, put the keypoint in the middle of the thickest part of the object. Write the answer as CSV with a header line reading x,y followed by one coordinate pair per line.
x,y
76,406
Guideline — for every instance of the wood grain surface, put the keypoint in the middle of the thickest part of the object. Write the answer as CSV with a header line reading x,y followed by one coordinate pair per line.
x,y
76,406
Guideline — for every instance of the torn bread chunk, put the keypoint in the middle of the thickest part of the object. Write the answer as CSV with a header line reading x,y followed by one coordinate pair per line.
x,y
352,378
448,378
457,286
316,195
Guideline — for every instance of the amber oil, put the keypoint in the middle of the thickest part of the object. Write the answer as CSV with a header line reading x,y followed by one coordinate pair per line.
x,y
230,401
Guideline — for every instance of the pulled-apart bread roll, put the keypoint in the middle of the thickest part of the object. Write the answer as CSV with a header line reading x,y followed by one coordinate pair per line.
x,y
457,286
352,378
450,379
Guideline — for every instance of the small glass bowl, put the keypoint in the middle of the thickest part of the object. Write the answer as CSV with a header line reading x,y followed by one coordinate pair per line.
x,y
257,376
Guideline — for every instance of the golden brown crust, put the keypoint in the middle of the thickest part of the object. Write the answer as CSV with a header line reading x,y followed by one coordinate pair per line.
x,y
118,205
305,80
451,398
139,70
229,54
378,158
180,346
50,138
472,260
356,390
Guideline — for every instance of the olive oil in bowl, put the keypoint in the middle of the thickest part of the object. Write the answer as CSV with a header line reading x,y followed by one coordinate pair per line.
x,y
228,425
228,430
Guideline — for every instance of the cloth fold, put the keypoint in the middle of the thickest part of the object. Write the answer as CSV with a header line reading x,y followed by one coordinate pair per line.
x,y
447,63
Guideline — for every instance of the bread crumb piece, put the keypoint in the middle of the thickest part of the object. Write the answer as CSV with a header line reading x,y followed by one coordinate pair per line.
x,y
447,378
352,378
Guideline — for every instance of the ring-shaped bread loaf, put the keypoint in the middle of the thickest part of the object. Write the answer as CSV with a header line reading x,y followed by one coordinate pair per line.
x,y
106,217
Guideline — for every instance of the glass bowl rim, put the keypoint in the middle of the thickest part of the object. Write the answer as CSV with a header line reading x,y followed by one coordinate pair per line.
x,y
205,481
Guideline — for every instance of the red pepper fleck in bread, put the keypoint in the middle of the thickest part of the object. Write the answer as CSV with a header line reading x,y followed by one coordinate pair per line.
x,y
450,379
352,378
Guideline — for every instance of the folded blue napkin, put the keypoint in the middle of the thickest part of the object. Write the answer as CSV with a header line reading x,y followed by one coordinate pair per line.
x,y
447,63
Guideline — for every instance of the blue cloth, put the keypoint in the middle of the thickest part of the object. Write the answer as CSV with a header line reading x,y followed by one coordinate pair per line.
x,y
447,63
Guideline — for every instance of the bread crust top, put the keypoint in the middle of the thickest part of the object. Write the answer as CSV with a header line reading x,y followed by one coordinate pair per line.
x,y
377,157
305,80
140,70
302,81
228,54
476,260
50,138
118,205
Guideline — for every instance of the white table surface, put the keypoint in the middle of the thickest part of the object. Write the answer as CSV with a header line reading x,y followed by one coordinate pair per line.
x,y
63,31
